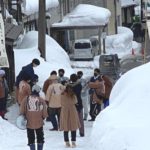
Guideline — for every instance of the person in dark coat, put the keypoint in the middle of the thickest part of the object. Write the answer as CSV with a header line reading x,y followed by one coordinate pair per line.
x,y
28,70
95,107
77,88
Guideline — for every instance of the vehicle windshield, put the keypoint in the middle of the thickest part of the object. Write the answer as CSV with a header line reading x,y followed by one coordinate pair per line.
x,y
82,45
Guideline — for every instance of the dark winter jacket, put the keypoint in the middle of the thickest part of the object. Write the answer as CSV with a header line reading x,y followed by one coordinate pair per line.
x,y
77,88
26,70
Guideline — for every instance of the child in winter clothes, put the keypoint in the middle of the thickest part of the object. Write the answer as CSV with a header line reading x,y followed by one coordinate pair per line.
x,y
69,120
35,110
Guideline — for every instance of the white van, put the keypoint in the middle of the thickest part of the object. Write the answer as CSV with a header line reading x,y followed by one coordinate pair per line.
x,y
82,49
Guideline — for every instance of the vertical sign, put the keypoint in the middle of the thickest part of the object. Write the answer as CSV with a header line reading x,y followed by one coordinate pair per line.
x,y
3,54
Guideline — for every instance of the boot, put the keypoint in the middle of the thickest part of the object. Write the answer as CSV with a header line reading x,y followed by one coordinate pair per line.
x,y
73,144
32,146
40,146
67,144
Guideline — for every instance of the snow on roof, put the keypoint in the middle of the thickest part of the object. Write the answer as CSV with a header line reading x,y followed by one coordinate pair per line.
x,y
31,6
86,15
126,3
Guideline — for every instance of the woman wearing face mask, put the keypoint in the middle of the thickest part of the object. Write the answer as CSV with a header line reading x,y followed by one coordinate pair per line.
x,y
95,108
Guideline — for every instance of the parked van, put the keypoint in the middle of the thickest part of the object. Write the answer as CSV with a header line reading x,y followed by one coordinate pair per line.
x,y
82,49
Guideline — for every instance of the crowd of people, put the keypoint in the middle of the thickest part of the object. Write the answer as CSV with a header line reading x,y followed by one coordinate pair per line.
x,y
66,103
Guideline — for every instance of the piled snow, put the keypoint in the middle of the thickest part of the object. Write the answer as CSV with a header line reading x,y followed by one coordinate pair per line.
x,y
137,47
137,10
120,43
125,3
56,57
32,6
125,124
86,15
9,133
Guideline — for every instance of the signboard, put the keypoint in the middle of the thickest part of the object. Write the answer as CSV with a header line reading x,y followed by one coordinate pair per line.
x,y
3,54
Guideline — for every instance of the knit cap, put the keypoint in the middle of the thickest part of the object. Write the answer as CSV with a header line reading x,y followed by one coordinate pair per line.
x,y
36,88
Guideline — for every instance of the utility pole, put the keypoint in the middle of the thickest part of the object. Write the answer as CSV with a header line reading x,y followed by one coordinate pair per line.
x,y
42,27
19,11
142,10
115,3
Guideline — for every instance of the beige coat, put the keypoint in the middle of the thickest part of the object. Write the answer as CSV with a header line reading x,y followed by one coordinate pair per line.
x,y
69,120
23,91
35,110
53,95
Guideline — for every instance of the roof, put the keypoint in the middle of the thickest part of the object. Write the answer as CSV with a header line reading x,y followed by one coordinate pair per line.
x,y
12,32
129,3
84,16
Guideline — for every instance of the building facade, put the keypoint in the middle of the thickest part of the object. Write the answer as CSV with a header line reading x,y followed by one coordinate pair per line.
x,y
67,6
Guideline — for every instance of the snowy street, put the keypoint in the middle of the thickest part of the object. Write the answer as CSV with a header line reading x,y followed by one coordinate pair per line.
x,y
53,139
70,26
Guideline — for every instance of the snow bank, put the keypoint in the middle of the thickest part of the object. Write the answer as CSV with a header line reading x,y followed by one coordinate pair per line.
x,y
120,43
32,6
125,124
125,3
56,57
86,15
7,131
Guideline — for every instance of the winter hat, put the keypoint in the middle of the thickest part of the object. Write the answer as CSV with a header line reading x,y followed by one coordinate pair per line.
x,y
2,73
36,89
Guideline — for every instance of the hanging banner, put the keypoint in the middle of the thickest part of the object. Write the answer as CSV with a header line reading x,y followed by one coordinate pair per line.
x,y
3,54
